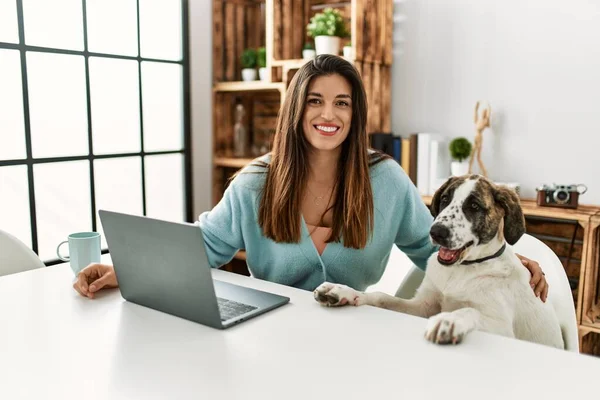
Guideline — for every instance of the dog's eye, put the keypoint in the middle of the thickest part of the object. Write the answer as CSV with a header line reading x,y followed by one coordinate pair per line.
x,y
475,206
444,200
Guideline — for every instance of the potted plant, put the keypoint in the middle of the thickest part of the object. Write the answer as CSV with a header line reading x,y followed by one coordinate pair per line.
x,y
347,51
248,60
460,150
308,51
327,28
262,63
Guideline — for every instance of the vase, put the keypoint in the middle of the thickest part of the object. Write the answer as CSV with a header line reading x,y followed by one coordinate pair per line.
x,y
327,45
459,168
248,74
262,74
308,54
347,51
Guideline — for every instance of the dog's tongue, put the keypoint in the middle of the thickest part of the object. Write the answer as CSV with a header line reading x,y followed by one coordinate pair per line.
x,y
447,254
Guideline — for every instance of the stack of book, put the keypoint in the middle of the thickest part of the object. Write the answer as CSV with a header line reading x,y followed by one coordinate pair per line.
x,y
425,157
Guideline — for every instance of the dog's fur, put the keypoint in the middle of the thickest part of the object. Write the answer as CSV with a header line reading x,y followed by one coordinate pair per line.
x,y
493,295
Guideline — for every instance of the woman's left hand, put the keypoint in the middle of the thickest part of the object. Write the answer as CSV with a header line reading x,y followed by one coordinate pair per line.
x,y
538,279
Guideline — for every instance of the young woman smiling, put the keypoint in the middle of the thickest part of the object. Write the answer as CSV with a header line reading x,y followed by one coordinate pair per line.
x,y
321,206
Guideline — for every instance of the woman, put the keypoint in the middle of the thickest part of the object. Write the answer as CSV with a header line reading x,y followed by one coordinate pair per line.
x,y
321,206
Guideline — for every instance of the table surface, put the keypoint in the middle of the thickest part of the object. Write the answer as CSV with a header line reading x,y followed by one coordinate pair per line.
x,y
56,344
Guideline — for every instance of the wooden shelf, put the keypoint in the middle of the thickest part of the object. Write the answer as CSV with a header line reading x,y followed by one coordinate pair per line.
x,y
240,255
232,162
241,86
290,64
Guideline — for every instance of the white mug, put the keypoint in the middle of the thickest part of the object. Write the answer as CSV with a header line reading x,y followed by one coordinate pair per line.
x,y
84,249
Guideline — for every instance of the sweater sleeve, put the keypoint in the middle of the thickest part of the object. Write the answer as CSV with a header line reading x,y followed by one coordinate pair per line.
x,y
413,232
222,227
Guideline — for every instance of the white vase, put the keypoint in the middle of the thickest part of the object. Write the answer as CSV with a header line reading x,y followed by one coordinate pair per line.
x,y
308,54
248,74
347,51
262,74
459,168
327,45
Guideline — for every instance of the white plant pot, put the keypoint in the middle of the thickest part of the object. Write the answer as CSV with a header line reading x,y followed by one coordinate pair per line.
x,y
327,45
308,54
248,74
459,168
262,74
347,51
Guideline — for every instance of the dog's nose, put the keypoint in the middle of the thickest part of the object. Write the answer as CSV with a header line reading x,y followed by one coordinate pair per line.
x,y
439,233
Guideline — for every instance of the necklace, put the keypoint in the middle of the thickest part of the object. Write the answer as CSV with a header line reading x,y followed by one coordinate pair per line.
x,y
317,200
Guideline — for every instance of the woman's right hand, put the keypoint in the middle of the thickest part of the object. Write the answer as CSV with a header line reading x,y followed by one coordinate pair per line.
x,y
95,277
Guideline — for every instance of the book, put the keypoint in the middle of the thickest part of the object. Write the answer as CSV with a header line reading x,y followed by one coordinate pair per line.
x,y
405,155
412,169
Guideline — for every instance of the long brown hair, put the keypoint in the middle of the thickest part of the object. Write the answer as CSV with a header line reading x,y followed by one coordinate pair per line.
x,y
279,213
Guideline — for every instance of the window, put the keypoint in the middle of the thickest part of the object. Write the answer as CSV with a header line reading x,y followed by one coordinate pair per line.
x,y
94,114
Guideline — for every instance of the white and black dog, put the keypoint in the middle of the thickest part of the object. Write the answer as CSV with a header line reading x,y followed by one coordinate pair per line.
x,y
475,281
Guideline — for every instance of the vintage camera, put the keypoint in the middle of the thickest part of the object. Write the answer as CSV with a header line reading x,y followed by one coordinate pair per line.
x,y
566,196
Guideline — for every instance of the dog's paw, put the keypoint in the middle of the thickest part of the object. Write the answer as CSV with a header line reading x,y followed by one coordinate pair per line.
x,y
333,295
445,328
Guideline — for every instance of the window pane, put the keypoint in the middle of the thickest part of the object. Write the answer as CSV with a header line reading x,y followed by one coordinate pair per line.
x,y
56,23
12,128
162,100
160,29
165,197
57,104
14,203
62,203
115,98
9,29
118,185
112,26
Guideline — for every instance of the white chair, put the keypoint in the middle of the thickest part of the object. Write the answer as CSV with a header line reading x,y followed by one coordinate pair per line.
x,y
15,256
559,296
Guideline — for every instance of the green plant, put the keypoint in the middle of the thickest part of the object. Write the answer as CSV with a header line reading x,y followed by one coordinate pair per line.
x,y
249,57
460,148
308,46
327,23
262,57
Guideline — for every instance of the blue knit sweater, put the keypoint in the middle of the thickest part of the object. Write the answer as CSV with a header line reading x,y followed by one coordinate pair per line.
x,y
401,218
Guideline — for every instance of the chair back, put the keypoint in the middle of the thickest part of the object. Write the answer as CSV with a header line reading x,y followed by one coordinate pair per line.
x,y
15,256
559,293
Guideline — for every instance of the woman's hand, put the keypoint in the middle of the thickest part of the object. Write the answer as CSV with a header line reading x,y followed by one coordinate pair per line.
x,y
95,277
538,279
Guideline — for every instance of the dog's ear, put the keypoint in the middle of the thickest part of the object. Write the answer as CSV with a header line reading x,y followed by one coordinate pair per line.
x,y
514,220
435,202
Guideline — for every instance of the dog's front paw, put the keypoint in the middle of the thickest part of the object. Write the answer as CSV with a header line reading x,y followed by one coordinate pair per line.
x,y
445,328
333,295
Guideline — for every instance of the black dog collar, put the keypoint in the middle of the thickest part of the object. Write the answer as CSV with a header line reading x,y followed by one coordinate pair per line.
x,y
480,260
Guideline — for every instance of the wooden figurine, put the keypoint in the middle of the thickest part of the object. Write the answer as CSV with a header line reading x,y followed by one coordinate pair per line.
x,y
481,122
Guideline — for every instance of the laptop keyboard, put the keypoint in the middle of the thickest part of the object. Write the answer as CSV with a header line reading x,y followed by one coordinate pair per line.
x,y
231,309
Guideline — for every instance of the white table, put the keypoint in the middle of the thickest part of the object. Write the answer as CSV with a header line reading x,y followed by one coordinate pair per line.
x,y
56,344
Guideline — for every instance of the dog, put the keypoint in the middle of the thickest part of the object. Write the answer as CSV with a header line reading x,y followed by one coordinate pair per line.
x,y
474,281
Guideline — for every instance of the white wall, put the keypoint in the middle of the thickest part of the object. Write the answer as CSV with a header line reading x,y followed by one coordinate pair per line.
x,y
200,27
536,61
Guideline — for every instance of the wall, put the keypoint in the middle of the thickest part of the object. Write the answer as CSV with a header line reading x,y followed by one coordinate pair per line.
x,y
536,61
200,44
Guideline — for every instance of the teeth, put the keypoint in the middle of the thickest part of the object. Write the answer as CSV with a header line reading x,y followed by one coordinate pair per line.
x,y
327,128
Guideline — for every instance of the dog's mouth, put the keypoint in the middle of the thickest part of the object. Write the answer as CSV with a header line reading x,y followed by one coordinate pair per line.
x,y
449,257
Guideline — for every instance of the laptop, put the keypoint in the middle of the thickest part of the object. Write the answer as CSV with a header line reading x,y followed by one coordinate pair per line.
x,y
163,265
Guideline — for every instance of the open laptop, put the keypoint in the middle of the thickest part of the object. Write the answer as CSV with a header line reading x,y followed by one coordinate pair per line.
x,y
163,265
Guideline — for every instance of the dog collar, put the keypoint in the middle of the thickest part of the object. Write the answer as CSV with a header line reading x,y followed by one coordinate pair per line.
x,y
480,260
